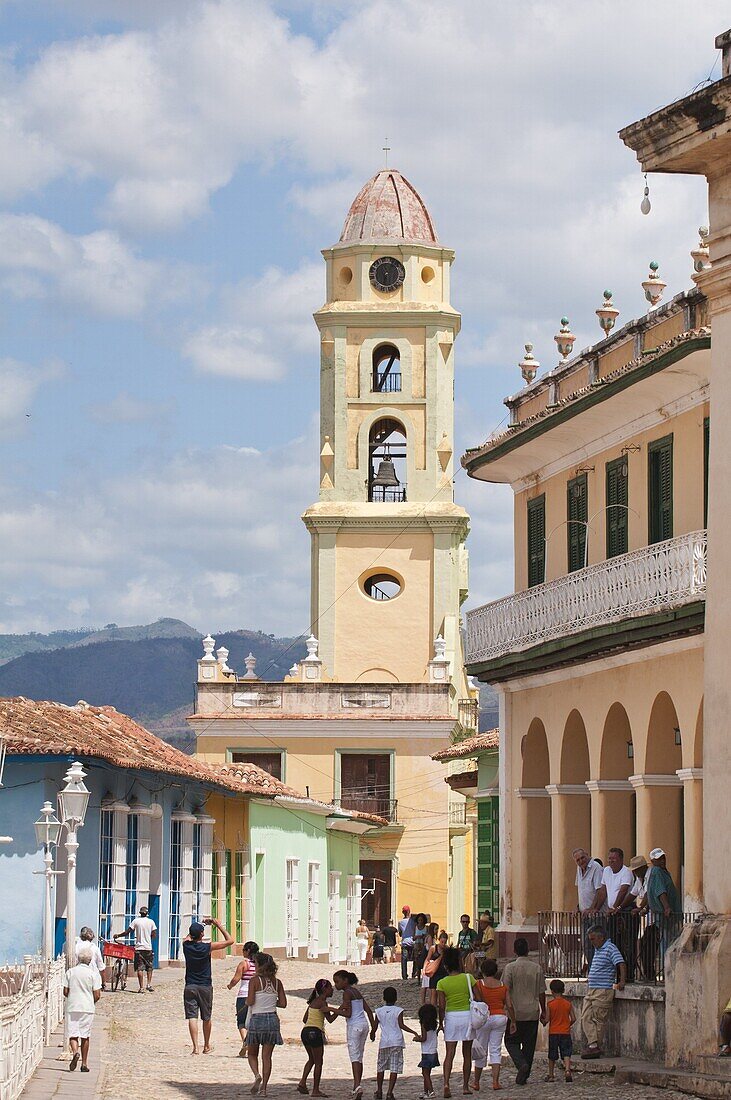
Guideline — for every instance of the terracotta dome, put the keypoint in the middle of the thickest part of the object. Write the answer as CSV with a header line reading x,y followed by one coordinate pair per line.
x,y
388,208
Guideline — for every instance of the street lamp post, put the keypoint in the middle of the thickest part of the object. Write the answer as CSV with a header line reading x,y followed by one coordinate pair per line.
x,y
72,803
48,830
3,750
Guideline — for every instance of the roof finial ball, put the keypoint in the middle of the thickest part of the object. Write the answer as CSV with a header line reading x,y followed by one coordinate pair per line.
x,y
700,254
529,365
607,313
653,285
564,339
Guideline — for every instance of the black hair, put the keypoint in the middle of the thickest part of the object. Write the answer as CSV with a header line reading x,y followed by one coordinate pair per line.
x,y
320,986
453,960
251,948
520,947
619,852
390,995
465,916
348,975
489,968
428,1017
266,965
557,987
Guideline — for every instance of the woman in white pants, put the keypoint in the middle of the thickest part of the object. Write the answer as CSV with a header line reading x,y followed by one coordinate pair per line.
x,y
489,1040
361,940
360,1020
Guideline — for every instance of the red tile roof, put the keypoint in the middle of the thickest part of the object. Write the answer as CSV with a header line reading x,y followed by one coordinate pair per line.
x,y
483,742
103,733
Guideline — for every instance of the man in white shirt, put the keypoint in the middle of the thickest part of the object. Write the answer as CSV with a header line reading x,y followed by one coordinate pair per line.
x,y
144,930
614,894
588,881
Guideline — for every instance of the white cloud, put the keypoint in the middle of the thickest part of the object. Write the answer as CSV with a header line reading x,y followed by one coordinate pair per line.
x,y
267,323
97,271
19,384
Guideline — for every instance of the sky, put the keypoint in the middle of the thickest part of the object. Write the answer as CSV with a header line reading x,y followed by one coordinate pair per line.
x,y
169,173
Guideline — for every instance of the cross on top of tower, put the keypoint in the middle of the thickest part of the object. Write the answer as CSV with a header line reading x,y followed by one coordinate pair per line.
x,y
386,150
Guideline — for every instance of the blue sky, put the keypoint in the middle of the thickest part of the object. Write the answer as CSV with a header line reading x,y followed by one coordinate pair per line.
x,y
169,175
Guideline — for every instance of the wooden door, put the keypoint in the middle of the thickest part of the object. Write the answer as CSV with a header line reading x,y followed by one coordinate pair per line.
x,y
376,891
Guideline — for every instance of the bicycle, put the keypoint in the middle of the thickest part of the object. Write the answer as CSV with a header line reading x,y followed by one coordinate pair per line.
x,y
121,954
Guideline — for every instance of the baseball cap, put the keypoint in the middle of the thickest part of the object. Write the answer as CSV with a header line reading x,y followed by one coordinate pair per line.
x,y
657,853
636,862
406,909
196,928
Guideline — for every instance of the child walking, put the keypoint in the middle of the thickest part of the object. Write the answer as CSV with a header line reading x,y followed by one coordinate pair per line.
x,y
313,1034
560,1018
428,1020
390,1018
245,971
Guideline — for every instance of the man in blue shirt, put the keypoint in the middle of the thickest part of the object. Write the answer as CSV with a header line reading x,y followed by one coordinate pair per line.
x,y
406,929
601,984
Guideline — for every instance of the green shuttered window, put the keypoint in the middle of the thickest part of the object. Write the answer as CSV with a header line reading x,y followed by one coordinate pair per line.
x,y
577,514
660,489
616,504
537,540
488,856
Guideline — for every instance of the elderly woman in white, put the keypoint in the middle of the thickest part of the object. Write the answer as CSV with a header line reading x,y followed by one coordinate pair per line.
x,y
82,989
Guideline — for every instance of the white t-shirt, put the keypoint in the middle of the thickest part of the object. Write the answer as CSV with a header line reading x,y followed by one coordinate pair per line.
x,y
143,927
429,1046
81,981
97,959
639,887
391,1033
614,882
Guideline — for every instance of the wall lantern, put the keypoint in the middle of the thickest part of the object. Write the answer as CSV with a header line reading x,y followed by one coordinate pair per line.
x,y
678,738
630,750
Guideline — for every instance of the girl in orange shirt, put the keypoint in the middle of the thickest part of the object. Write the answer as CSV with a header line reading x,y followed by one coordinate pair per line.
x,y
490,1036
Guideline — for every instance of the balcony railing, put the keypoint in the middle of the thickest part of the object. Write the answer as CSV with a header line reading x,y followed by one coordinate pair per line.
x,y
641,936
370,804
387,383
654,578
468,714
384,494
458,813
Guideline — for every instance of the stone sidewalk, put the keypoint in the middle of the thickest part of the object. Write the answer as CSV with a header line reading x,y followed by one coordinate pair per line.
x,y
142,1048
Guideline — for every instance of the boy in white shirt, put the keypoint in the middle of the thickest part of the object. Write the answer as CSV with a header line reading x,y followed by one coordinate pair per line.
x,y
390,1019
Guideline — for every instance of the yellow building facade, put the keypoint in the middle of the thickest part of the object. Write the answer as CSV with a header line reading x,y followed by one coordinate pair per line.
x,y
598,657
383,686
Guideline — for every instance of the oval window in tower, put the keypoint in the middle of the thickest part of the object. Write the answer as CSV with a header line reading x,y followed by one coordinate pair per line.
x,y
381,586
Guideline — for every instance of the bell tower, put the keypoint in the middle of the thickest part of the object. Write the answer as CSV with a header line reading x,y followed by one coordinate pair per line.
x,y
389,565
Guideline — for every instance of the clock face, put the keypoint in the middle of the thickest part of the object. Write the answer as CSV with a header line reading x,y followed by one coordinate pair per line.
x,y
387,273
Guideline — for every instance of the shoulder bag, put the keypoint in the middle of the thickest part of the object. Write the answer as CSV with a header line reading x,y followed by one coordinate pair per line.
x,y
479,1011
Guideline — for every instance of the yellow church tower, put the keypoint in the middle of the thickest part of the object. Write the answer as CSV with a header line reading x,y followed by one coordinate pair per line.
x,y
389,564
383,687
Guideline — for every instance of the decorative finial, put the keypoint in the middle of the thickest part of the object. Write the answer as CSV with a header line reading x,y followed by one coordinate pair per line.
x,y
646,205
386,150
700,254
440,648
653,285
250,663
209,644
607,313
564,339
312,647
294,671
222,654
529,364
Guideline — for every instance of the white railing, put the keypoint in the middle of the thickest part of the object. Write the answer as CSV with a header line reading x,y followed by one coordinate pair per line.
x,y
655,578
31,1008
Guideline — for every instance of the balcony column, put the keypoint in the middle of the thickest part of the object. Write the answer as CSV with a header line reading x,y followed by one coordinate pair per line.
x,y
570,828
692,780
659,817
531,872
612,816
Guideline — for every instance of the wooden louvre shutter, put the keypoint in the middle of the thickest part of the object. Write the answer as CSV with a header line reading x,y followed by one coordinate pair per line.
x,y
660,471
537,540
616,507
576,514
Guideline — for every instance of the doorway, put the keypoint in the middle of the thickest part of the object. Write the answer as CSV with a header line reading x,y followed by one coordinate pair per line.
x,y
376,891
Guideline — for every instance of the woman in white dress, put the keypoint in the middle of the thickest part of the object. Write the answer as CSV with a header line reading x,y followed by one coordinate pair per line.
x,y
362,937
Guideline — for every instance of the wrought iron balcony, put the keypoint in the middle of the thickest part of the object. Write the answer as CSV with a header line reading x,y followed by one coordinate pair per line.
x,y
646,581
387,383
385,494
370,804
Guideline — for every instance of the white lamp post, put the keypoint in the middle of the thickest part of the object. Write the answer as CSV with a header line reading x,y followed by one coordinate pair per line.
x,y
3,750
72,803
48,830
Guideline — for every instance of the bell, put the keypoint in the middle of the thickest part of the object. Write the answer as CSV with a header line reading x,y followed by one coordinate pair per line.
x,y
386,475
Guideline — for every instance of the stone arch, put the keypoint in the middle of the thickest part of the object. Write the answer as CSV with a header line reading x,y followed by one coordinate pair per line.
x,y
571,809
536,814
614,760
698,739
574,750
660,793
377,676
613,811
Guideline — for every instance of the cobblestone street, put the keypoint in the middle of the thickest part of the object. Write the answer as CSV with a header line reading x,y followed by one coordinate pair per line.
x,y
146,1051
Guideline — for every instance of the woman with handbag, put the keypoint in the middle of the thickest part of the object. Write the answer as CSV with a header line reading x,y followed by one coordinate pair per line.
x,y
491,991
434,969
456,1007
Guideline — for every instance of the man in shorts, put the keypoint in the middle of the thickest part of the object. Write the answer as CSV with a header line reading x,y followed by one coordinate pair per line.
x,y
144,930
198,991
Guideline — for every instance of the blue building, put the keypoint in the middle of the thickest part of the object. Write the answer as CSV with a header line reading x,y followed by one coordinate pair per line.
x,y
147,838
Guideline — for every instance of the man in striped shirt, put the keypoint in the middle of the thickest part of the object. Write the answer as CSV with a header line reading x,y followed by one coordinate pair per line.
x,y
601,984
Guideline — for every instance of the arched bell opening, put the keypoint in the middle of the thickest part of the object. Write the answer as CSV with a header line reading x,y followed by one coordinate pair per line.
x,y
387,462
386,376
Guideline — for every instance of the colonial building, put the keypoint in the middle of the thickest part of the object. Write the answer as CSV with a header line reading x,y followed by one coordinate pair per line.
x,y
173,833
383,685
